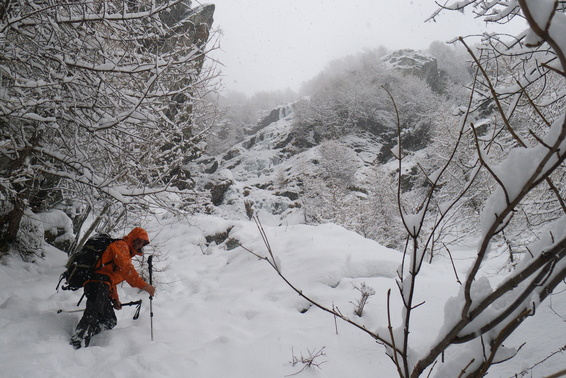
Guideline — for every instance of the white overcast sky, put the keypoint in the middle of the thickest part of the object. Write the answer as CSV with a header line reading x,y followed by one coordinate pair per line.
x,y
269,45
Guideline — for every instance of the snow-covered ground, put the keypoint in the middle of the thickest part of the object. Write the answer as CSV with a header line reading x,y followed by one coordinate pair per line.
x,y
225,313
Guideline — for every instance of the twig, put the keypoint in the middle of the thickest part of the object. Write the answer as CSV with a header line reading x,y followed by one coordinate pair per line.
x,y
308,362
453,266
466,368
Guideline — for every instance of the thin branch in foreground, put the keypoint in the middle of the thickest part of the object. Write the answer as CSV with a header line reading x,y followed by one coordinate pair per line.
x,y
531,368
335,312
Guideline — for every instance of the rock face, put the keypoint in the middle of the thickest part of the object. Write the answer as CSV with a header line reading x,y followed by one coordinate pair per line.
x,y
265,173
275,115
187,27
416,63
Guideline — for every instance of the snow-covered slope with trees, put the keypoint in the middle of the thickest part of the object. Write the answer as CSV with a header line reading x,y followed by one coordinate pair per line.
x,y
222,312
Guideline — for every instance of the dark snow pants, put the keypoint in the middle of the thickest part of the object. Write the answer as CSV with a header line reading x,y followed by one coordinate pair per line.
x,y
98,316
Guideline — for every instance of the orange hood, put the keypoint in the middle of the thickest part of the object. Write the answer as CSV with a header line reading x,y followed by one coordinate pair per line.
x,y
136,233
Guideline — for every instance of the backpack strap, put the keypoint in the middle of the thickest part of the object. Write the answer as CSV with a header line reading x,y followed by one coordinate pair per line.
x,y
102,265
61,278
95,276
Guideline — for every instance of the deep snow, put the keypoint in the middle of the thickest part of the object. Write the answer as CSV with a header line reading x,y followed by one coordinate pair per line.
x,y
225,313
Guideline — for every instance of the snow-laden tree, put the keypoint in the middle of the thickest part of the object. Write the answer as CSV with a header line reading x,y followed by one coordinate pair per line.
x,y
337,67
516,158
451,61
356,100
328,195
519,158
97,101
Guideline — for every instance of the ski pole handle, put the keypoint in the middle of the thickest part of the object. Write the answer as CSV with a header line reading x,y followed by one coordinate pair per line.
x,y
133,303
150,263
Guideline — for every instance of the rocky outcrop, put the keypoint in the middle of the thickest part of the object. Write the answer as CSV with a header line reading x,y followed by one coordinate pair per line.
x,y
217,190
416,63
274,115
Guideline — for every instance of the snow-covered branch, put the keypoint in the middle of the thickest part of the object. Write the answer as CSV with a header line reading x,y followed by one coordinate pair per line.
x,y
494,314
104,109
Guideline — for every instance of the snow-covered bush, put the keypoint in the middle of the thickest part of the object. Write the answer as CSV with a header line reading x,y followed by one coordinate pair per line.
x,y
58,228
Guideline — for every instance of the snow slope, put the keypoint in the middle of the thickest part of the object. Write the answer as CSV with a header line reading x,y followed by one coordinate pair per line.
x,y
225,313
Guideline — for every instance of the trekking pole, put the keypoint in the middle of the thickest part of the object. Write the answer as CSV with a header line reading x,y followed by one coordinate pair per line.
x,y
149,263
133,303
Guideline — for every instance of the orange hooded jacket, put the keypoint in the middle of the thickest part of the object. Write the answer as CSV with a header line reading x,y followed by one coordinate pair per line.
x,y
116,262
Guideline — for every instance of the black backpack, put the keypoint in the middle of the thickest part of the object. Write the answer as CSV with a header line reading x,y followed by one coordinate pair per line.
x,y
81,264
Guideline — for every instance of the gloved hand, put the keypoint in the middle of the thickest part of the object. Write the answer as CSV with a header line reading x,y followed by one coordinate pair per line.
x,y
150,289
116,304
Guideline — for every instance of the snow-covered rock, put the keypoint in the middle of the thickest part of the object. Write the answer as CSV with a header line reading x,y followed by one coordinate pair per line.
x,y
416,63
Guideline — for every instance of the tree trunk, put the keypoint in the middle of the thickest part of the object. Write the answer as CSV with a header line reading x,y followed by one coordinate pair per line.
x,y
9,226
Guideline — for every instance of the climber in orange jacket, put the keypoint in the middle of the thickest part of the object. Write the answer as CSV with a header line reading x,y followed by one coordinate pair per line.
x,y
114,267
